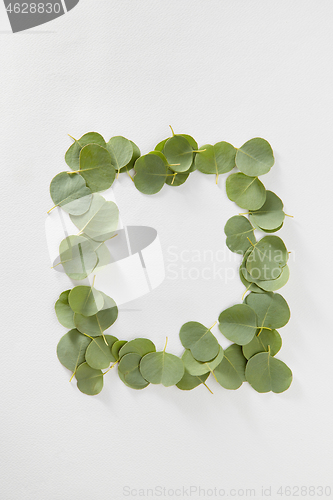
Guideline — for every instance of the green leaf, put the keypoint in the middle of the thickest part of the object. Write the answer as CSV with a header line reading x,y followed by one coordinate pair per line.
x,y
77,257
137,346
265,285
238,231
230,373
85,300
217,159
98,353
267,259
150,174
196,368
271,215
271,308
101,220
260,343
96,167
255,157
179,153
71,349
89,380
174,179
72,156
247,192
251,287
189,382
95,325
238,323
200,340
162,368
63,311
116,348
129,372
265,373
103,255
70,193
135,155
121,151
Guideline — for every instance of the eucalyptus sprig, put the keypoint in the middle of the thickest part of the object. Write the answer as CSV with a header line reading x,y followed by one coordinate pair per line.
x,y
87,348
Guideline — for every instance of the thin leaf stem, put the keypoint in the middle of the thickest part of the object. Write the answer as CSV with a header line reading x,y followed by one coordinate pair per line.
x,y
166,342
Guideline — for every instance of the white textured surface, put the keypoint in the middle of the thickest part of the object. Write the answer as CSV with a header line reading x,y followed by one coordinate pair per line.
x,y
218,70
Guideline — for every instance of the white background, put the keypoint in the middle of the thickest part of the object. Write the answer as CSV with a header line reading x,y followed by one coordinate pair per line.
x,y
218,70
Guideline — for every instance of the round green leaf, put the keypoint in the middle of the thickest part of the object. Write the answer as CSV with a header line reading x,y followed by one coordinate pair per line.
x,y
135,155
69,191
217,159
238,323
267,259
238,229
98,353
89,380
251,287
271,215
129,372
200,340
72,156
230,373
71,349
96,167
116,348
179,153
121,151
63,311
85,300
189,382
272,285
174,179
162,368
271,308
196,368
260,343
247,192
95,325
137,346
77,257
100,221
150,174
255,157
265,373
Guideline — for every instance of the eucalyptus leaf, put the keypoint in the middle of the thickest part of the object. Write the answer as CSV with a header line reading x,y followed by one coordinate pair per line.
x,y
196,368
250,287
189,382
271,215
267,259
96,167
230,373
271,308
238,323
129,372
138,346
72,156
121,151
70,193
89,380
265,285
150,174
255,157
239,231
116,348
247,192
179,153
100,221
266,373
71,349
77,257
98,354
85,300
63,311
95,325
135,155
260,343
162,368
217,159
200,340
103,255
